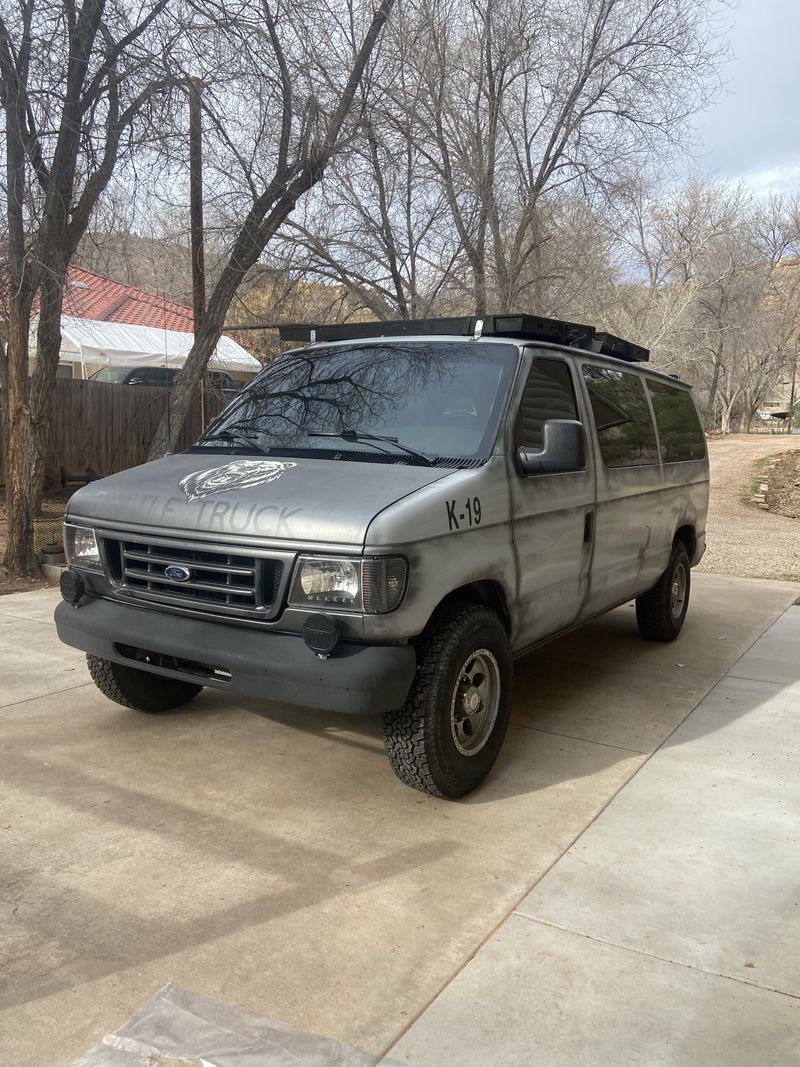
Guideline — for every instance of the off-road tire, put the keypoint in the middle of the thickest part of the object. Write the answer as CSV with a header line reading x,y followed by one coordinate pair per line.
x,y
418,737
138,689
654,609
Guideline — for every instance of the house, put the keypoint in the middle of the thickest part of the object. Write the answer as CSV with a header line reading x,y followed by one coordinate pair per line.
x,y
105,323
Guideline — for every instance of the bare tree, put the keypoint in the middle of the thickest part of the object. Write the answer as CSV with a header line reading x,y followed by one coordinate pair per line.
x,y
720,302
75,85
487,112
279,142
149,250
380,226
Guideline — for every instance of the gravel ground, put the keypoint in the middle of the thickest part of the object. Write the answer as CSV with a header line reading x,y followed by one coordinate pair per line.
x,y
743,539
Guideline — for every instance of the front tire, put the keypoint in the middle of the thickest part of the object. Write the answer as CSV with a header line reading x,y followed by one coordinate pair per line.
x,y
660,612
446,737
138,689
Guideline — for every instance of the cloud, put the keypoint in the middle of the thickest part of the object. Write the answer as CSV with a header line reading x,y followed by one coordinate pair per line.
x,y
753,132
783,179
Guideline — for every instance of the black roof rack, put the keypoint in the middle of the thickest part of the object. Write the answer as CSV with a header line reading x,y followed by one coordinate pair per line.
x,y
524,327
609,345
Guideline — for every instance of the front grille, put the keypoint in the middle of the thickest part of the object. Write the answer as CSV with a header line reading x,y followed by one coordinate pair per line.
x,y
223,580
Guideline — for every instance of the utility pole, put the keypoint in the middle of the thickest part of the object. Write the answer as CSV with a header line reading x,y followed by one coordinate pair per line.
x,y
196,201
196,216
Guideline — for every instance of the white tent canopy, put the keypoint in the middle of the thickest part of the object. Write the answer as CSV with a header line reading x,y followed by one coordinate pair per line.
x,y
116,344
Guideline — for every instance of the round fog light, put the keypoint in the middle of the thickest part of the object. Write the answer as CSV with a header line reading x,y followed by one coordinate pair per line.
x,y
321,634
72,587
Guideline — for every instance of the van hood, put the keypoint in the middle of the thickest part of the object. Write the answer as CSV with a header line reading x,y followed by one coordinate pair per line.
x,y
291,499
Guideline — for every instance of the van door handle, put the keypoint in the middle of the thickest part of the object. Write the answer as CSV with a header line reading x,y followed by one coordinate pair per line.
x,y
588,527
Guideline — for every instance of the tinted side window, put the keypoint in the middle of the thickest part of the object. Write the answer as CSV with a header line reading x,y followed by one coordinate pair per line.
x,y
548,394
679,428
622,417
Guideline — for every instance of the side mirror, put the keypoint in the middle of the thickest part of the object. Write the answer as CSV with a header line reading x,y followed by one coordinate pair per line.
x,y
562,449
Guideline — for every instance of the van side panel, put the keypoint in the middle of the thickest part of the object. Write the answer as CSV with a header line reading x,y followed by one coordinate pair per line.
x,y
639,511
685,481
629,549
553,516
453,532
685,502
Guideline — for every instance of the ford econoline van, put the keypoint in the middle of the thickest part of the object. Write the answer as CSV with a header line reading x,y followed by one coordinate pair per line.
x,y
384,519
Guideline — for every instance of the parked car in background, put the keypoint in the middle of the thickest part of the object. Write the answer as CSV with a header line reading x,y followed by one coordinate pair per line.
x,y
162,376
383,519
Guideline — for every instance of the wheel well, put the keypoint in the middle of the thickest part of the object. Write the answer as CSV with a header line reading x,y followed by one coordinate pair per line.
x,y
689,538
488,593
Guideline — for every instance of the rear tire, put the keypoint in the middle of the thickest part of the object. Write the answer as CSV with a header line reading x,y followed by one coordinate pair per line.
x,y
138,689
446,737
660,612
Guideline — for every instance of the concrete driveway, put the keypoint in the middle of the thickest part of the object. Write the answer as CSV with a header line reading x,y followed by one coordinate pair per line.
x,y
268,858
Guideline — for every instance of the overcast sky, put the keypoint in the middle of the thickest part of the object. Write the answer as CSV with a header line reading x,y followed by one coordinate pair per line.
x,y
753,132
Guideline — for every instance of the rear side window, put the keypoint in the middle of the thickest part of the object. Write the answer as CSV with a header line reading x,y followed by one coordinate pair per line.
x,y
679,429
622,417
548,394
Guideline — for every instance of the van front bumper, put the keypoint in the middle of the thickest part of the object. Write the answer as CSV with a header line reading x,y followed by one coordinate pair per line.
x,y
359,679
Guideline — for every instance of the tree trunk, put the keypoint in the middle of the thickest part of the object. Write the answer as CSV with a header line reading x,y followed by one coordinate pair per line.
x,y
205,342
479,286
45,369
725,417
21,494
712,392
29,415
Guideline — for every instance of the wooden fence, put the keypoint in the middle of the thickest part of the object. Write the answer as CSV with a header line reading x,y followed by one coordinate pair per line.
x,y
109,427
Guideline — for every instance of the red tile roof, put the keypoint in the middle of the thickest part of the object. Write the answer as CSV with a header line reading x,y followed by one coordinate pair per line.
x,y
91,296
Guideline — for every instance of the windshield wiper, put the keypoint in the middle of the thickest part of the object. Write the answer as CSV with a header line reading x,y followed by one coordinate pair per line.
x,y
354,435
232,435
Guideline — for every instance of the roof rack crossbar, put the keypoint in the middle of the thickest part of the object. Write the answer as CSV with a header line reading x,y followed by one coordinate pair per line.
x,y
522,327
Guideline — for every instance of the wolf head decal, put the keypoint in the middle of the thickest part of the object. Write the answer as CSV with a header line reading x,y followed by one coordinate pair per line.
x,y
239,474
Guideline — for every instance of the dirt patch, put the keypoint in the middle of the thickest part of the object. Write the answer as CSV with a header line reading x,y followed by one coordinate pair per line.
x,y
783,485
23,585
47,527
744,539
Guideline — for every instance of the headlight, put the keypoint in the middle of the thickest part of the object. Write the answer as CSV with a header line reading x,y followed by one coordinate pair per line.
x,y
332,582
375,586
80,547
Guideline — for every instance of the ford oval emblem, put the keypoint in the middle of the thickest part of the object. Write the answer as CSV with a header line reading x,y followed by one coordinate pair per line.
x,y
176,573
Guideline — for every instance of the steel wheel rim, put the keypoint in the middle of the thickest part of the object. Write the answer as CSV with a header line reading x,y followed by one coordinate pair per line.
x,y
678,591
475,702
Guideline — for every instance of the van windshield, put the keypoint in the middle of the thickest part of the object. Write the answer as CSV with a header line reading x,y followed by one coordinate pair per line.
x,y
440,400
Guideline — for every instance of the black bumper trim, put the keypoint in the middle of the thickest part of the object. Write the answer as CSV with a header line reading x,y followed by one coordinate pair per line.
x,y
356,679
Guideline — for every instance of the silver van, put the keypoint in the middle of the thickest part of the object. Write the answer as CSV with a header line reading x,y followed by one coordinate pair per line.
x,y
384,518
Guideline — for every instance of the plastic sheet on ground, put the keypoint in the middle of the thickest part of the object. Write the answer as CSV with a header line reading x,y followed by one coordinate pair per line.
x,y
178,1028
